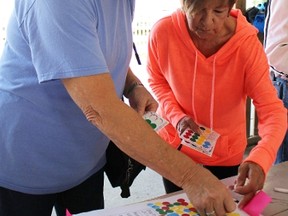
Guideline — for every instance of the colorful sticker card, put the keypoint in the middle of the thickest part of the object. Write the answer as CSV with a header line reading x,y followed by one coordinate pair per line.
x,y
204,142
154,120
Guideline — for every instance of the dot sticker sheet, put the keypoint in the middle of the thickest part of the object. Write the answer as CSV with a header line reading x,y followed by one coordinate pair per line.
x,y
169,205
155,121
204,142
179,207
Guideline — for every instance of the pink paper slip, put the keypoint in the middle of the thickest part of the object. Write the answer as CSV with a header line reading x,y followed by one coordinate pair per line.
x,y
68,213
258,203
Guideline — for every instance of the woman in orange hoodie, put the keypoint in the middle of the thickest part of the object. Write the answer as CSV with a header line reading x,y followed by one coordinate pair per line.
x,y
204,61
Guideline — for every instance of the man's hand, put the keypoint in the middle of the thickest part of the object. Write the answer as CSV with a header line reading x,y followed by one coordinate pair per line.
x,y
207,193
251,178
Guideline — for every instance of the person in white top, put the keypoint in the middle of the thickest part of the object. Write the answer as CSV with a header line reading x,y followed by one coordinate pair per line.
x,y
276,48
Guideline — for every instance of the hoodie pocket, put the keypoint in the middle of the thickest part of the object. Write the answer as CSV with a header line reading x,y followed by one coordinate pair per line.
x,y
170,135
222,147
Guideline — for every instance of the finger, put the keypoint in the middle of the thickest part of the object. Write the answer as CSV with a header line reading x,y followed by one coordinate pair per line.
x,y
241,178
140,109
247,189
152,106
143,106
199,131
229,206
226,206
245,200
209,211
231,187
196,129
201,212
183,129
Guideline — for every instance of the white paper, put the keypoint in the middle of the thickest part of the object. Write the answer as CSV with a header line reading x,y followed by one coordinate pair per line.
x,y
154,120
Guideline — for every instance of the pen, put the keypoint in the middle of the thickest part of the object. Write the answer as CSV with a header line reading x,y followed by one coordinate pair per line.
x,y
281,190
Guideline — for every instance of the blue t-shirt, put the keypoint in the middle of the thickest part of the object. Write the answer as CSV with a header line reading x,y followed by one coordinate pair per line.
x,y
46,143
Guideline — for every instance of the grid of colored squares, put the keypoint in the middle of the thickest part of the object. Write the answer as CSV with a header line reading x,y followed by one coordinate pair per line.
x,y
178,208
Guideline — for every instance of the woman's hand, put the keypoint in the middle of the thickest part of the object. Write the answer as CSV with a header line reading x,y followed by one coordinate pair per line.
x,y
141,100
250,180
187,122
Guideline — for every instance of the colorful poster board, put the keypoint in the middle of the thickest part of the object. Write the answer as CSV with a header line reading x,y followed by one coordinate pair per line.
x,y
174,205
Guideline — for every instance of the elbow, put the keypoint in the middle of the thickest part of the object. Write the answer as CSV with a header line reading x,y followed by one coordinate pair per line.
x,y
92,115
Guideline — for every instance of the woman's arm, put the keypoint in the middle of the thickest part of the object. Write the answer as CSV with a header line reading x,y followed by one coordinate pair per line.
x,y
96,97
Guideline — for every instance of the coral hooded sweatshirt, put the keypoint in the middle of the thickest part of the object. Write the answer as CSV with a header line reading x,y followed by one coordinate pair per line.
x,y
213,90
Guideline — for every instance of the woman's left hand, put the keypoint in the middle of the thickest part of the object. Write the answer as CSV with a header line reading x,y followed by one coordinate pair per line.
x,y
250,180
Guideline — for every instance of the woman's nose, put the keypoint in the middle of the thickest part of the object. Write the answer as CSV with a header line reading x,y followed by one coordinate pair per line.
x,y
207,19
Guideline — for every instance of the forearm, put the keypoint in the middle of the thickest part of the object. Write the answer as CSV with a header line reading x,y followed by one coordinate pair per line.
x,y
271,131
96,97
272,126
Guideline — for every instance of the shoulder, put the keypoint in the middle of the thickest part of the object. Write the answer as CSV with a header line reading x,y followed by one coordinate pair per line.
x,y
169,24
162,25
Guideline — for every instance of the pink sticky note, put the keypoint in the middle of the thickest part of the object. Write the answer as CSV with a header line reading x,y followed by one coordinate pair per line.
x,y
257,204
68,213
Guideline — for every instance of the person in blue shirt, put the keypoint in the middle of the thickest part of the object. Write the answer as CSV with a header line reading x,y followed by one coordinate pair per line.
x,y
63,72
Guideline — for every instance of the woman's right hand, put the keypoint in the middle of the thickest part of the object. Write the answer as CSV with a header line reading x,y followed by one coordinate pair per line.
x,y
187,122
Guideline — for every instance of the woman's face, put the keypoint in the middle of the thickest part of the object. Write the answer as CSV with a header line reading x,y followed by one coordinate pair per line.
x,y
206,19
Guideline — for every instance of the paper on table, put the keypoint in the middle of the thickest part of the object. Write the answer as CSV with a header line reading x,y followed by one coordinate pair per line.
x,y
174,205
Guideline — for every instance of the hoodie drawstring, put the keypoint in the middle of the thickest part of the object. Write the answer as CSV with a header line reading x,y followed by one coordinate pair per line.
x,y
212,99
212,95
193,87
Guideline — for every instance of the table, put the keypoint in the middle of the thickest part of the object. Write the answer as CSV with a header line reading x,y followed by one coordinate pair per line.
x,y
277,177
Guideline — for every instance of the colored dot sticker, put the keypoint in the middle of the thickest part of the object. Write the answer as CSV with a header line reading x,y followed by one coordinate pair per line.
x,y
206,144
151,124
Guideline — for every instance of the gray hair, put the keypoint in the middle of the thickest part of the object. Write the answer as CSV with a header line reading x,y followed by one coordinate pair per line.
x,y
188,4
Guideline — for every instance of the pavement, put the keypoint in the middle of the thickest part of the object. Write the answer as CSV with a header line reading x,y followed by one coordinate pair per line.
x,y
148,184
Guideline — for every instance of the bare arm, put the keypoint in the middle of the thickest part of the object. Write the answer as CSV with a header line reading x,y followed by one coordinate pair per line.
x,y
96,97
